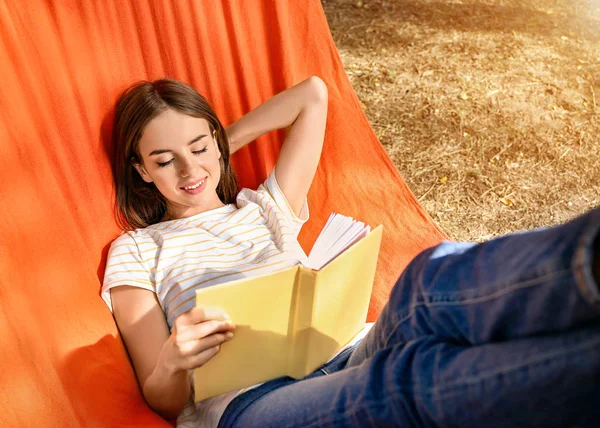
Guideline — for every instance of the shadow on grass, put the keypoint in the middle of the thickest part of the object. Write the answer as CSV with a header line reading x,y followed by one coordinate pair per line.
x,y
344,18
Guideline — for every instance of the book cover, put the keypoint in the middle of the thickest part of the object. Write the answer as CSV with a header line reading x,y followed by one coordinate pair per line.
x,y
289,322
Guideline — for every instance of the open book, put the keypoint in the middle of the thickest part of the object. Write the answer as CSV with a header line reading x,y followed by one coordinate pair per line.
x,y
291,321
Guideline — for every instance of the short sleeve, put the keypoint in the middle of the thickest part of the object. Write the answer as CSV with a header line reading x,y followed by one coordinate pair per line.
x,y
272,187
126,266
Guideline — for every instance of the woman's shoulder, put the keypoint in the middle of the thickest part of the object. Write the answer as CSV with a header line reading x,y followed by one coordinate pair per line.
x,y
133,237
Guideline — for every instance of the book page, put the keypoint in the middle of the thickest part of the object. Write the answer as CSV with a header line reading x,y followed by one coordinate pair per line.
x,y
339,233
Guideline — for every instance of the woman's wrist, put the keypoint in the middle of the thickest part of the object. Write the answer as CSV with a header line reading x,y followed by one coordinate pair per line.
x,y
166,370
231,138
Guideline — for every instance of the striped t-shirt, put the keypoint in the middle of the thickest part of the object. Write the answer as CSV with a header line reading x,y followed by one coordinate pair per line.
x,y
257,235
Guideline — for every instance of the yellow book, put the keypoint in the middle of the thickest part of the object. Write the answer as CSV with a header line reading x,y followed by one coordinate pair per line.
x,y
290,322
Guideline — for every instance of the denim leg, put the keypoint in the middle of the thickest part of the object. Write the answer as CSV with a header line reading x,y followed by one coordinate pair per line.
x,y
512,287
548,381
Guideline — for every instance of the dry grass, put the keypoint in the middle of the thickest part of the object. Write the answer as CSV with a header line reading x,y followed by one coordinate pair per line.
x,y
489,108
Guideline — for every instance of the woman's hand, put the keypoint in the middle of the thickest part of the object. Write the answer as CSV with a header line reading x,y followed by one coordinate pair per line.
x,y
196,337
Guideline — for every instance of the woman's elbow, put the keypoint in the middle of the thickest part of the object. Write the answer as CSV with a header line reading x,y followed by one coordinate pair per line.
x,y
167,402
169,413
318,89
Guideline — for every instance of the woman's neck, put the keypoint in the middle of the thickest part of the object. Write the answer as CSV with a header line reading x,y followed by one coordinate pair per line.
x,y
176,214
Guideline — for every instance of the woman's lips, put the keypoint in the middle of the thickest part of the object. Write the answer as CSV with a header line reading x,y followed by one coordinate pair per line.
x,y
198,189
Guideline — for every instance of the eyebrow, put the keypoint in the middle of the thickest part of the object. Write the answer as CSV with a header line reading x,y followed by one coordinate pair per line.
x,y
160,151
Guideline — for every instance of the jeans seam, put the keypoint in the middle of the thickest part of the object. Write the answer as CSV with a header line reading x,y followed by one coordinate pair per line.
x,y
497,293
538,359
469,301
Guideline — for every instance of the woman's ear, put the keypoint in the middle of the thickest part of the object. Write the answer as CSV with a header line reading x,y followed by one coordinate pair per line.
x,y
143,173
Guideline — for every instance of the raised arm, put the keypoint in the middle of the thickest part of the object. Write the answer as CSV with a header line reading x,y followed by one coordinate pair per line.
x,y
304,107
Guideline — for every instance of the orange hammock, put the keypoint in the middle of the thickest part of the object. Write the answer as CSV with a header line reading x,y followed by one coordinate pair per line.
x,y
62,65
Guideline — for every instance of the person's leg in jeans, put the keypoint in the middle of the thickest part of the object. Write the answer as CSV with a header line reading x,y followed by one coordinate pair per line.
x,y
512,287
505,333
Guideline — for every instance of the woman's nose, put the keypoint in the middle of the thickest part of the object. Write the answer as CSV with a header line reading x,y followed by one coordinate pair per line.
x,y
187,167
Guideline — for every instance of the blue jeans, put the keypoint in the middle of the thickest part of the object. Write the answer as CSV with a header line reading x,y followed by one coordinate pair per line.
x,y
500,334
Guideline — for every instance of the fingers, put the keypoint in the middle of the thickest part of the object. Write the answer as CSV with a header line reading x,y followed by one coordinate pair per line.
x,y
197,346
200,351
201,313
203,329
201,358
197,335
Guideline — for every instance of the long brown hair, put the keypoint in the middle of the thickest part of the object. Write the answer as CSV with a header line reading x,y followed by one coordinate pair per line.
x,y
140,204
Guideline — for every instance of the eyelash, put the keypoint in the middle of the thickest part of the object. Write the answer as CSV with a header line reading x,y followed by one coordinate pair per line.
x,y
196,152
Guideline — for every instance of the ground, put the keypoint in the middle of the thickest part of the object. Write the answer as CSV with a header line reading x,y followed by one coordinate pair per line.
x,y
490,109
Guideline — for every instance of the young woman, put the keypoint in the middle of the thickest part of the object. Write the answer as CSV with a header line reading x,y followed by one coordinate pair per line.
x,y
505,333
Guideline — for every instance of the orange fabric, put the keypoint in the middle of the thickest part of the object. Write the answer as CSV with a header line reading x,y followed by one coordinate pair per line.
x,y
62,66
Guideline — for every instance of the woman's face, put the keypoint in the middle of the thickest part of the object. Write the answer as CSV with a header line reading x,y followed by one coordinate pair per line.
x,y
180,155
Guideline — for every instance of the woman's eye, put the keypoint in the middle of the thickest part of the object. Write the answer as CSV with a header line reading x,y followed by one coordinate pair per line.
x,y
196,152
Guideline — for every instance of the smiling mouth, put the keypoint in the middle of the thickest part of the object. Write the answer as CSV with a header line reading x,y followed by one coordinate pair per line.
x,y
194,186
